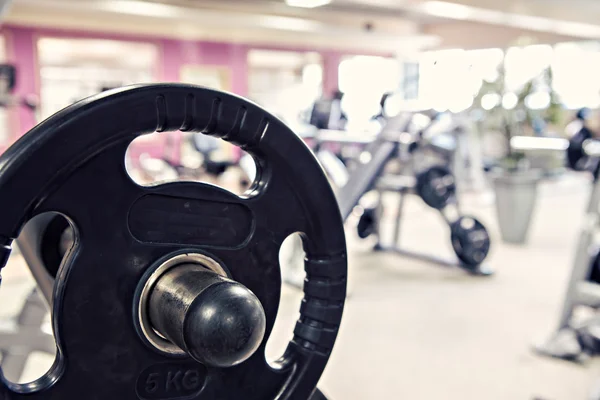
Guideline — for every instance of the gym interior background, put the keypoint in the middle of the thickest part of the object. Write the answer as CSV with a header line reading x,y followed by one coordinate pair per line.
x,y
458,137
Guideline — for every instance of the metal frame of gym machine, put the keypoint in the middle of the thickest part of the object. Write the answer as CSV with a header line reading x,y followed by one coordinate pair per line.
x,y
25,334
392,142
580,291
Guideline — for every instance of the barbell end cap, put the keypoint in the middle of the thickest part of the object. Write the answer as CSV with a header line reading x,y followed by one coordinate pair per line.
x,y
224,326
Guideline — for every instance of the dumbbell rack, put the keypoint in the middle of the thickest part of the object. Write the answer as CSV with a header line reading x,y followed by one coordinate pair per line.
x,y
580,291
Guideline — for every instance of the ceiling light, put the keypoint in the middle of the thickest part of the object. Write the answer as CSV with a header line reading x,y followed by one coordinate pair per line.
x,y
447,10
289,23
307,3
143,8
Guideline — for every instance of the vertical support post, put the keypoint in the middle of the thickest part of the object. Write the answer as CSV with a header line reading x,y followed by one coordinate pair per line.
x,y
583,254
398,222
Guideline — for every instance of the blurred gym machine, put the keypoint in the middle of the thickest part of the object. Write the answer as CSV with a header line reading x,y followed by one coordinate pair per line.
x,y
389,161
455,134
404,158
418,174
576,339
196,157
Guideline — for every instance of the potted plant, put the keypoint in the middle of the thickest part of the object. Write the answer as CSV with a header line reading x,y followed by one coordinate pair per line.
x,y
515,182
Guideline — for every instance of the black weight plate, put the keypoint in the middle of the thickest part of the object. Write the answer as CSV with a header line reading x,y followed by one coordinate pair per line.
x,y
436,186
74,164
470,240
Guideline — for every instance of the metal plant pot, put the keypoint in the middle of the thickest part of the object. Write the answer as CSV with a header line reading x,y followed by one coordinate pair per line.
x,y
516,194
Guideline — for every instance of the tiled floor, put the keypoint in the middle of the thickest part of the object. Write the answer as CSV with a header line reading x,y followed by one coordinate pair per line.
x,y
417,331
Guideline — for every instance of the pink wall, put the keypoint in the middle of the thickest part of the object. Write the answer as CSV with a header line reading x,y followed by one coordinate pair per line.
x,y
21,44
173,54
331,62
21,51
176,53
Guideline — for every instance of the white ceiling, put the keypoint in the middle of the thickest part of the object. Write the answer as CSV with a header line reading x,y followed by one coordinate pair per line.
x,y
392,26
231,21
573,10
512,13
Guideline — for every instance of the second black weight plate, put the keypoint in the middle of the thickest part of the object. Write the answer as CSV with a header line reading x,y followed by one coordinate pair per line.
x,y
470,241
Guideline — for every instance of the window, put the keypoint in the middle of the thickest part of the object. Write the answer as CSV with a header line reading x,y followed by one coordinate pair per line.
x,y
286,83
449,79
410,83
72,69
576,78
364,80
